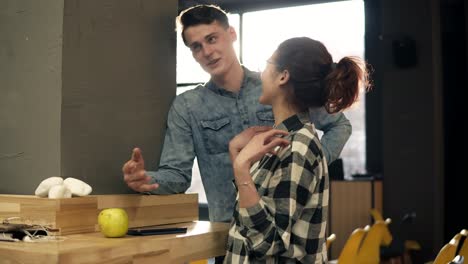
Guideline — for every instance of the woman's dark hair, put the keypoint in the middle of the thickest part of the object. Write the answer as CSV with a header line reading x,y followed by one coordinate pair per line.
x,y
316,81
201,14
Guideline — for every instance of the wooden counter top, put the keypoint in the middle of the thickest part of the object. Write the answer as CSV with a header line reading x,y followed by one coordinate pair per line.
x,y
202,240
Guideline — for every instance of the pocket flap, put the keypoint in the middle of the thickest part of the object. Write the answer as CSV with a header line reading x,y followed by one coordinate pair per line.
x,y
215,124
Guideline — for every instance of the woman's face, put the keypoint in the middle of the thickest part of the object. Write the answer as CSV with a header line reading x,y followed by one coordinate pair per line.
x,y
270,84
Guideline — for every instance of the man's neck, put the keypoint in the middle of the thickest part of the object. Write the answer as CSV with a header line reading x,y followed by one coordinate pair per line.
x,y
232,81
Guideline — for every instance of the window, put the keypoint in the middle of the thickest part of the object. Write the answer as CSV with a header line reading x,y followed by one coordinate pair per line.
x,y
339,25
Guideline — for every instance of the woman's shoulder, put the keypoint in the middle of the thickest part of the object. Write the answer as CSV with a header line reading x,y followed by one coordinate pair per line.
x,y
306,142
305,134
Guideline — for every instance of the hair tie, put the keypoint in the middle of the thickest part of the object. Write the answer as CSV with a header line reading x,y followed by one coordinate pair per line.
x,y
333,66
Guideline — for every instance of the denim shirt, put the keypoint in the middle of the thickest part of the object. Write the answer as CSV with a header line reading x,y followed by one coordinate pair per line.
x,y
202,121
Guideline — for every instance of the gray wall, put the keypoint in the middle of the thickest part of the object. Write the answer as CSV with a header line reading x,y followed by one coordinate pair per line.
x,y
82,82
405,113
30,92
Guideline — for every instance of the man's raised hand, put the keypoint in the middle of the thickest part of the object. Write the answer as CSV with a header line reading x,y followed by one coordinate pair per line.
x,y
135,175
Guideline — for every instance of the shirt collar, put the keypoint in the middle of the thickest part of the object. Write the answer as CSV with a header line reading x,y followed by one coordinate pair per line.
x,y
294,123
248,77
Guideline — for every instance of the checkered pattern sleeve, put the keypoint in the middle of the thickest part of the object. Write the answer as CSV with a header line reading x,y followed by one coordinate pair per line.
x,y
290,219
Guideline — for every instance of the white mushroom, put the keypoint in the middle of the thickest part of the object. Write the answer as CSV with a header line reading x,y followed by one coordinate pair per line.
x,y
43,188
77,187
59,191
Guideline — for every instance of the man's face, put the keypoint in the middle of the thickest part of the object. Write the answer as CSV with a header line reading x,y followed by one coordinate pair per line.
x,y
212,47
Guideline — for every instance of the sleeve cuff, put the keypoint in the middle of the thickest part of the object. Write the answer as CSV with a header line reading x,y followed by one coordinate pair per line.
x,y
166,187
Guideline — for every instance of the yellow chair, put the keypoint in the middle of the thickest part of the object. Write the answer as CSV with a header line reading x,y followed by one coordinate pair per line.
x,y
449,251
378,235
376,215
458,260
463,249
203,261
350,249
409,245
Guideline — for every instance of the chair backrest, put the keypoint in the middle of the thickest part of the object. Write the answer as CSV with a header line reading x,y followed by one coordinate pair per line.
x,y
386,235
448,251
376,215
458,260
330,239
462,248
202,261
350,250
408,244
378,235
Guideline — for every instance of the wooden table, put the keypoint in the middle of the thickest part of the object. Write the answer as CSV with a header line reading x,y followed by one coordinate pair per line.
x,y
202,240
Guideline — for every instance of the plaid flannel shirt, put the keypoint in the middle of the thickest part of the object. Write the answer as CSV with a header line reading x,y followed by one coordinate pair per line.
x,y
288,224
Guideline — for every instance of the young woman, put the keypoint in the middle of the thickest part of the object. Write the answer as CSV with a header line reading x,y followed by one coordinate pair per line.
x,y
281,175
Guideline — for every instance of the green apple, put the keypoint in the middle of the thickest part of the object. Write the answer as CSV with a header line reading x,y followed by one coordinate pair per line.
x,y
113,222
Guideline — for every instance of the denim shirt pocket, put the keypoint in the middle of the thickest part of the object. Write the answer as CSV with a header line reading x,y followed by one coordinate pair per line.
x,y
265,118
216,134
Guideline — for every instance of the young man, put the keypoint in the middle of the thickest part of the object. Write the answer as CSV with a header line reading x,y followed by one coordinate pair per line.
x,y
202,121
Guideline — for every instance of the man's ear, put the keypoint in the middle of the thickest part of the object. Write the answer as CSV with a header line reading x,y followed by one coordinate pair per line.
x,y
232,32
284,77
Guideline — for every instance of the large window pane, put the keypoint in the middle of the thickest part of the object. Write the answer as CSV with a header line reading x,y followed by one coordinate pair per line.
x,y
339,26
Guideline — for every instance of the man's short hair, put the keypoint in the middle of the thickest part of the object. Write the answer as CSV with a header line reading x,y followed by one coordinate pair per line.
x,y
201,14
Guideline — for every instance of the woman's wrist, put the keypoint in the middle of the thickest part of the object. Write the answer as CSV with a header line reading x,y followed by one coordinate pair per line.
x,y
240,165
241,172
246,183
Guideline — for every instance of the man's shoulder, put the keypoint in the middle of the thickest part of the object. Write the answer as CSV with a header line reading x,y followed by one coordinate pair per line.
x,y
196,99
192,94
252,76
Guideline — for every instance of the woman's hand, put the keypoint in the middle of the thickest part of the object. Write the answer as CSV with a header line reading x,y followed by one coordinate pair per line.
x,y
239,141
258,146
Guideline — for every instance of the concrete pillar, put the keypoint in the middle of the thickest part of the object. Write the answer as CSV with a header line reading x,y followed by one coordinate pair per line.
x,y
81,83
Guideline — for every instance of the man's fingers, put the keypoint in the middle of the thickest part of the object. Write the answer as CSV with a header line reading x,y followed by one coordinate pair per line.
x,y
127,167
140,183
136,154
148,187
137,157
135,177
143,185
134,174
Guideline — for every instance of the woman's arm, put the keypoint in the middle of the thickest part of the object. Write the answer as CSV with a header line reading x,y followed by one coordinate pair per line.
x,y
254,150
269,225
